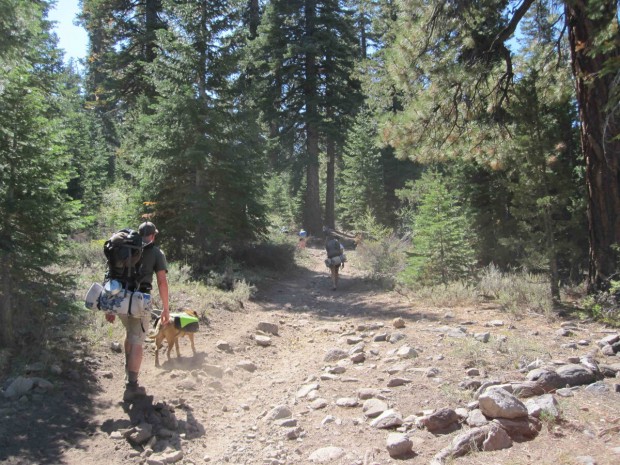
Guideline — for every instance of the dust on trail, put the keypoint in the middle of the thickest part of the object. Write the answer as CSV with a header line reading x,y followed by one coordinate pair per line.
x,y
208,409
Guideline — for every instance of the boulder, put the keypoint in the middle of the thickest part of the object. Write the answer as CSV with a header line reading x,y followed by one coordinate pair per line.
x,y
279,412
333,355
374,407
547,380
444,420
528,389
522,429
388,419
499,403
544,405
269,328
464,443
398,445
326,454
476,418
497,439
575,375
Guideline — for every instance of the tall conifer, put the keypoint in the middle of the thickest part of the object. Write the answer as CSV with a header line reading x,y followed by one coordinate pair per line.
x,y
35,211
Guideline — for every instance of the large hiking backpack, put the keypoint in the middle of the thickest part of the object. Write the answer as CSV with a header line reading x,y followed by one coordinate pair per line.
x,y
123,252
333,248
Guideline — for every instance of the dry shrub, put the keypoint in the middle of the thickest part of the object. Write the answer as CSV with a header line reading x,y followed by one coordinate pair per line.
x,y
518,292
449,295
383,258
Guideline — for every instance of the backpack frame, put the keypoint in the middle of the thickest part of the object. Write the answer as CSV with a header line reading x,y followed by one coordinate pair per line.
x,y
123,252
333,248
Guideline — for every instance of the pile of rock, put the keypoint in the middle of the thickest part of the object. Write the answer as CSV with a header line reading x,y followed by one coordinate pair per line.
x,y
610,345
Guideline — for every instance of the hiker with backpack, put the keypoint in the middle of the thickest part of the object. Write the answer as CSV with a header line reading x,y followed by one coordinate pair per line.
x,y
335,256
139,277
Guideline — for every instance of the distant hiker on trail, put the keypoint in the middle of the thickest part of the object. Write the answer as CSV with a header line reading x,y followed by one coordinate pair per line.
x,y
335,255
303,235
153,261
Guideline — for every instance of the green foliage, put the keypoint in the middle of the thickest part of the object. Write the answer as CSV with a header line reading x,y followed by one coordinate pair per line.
x,y
381,252
36,214
119,208
443,245
543,171
361,181
604,306
443,66
283,206
122,42
195,149
20,22
488,197
455,293
82,137
301,67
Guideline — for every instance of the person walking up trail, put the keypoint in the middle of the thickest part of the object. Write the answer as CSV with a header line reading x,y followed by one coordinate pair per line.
x,y
153,262
335,256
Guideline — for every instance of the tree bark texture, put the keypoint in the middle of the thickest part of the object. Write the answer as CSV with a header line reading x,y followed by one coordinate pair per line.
x,y
601,152
330,187
6,307
312,204
253,18
152,9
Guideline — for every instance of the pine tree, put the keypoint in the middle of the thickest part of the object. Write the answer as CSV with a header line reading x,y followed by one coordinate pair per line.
x,y
280,201
451,65
361,181
35,211
122,41
443,247
195,147
541,159
301,63
83,138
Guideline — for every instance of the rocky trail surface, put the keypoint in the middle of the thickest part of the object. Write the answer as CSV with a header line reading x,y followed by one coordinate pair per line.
x,y
358,376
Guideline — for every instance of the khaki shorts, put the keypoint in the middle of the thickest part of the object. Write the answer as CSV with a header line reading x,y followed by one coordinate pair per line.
x,y
136,328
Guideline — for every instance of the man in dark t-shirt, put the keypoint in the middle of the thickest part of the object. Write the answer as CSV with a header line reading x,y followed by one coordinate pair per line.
x,y
153,262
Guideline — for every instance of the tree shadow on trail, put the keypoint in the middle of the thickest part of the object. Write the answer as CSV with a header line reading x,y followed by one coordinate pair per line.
x,y
40,426
307,291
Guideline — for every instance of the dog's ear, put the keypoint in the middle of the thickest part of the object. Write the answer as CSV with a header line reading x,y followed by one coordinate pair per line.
x,y
156,321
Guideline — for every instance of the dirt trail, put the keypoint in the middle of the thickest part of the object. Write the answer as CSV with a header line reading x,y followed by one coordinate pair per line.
x,y
214,411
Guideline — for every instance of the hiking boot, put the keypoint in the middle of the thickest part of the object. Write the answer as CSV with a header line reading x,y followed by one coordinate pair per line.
x,y
133,391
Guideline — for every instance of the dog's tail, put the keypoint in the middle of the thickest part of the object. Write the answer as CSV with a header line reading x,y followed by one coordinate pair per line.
x,y
155,326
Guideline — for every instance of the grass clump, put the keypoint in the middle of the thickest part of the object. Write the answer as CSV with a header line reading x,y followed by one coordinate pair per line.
x,y
450,295
517,292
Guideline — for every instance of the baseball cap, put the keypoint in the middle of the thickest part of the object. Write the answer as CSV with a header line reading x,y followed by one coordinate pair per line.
x,y
147,228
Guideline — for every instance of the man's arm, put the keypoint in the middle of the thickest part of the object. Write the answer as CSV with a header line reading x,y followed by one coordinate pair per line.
x,y
162,287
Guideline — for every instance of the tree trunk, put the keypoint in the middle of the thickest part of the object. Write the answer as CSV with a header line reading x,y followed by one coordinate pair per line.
x,y
330,188
598,130
253,18
201,47
151,20
7,338
312,205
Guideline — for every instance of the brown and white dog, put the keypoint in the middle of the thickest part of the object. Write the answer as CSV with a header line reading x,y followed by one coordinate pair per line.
x,y
171,334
